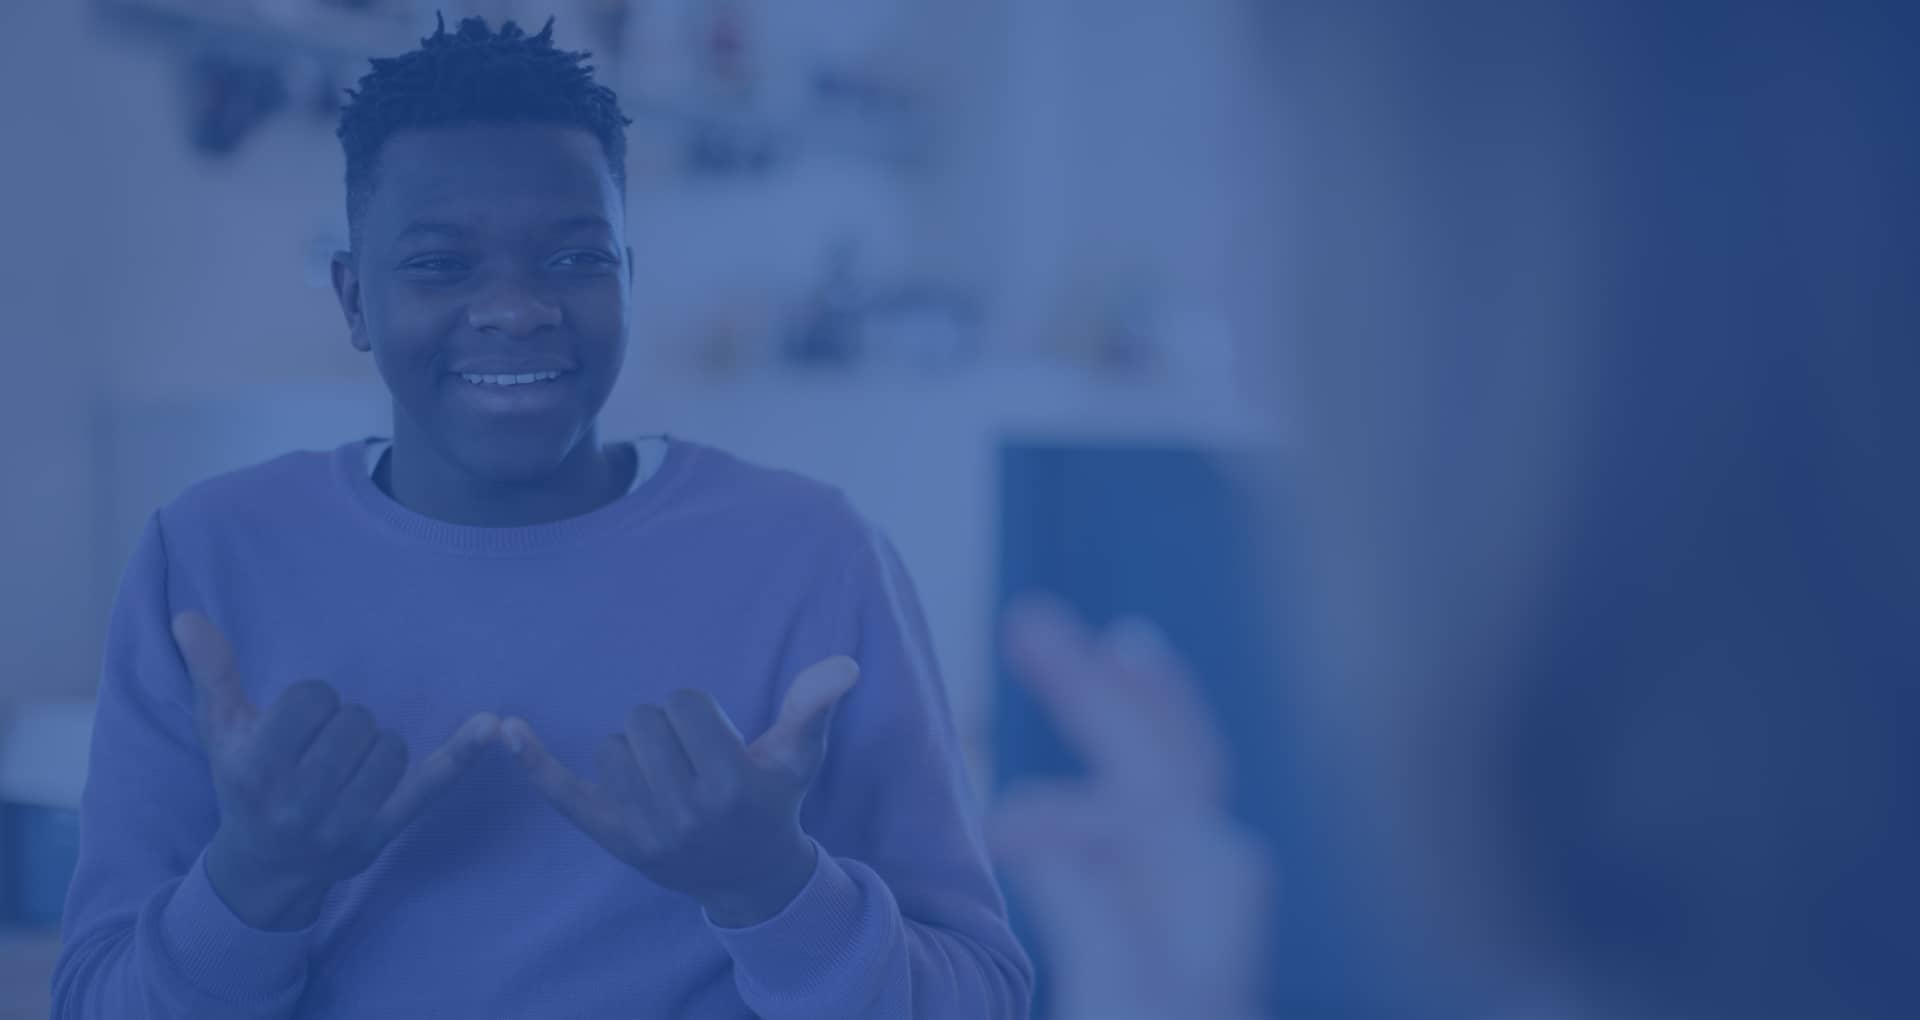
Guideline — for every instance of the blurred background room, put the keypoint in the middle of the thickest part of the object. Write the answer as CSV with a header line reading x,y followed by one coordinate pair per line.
x,y
1595,405
970,262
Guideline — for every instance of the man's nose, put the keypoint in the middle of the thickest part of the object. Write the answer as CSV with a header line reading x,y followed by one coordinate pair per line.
x,y
511,308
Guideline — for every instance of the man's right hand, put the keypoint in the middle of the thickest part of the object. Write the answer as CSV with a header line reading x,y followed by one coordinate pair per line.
x,y
310,791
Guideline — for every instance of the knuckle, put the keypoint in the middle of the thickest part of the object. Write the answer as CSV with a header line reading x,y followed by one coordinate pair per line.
x,y
716,795
243,780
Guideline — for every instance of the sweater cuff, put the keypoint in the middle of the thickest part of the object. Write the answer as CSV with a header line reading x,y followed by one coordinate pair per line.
x,y
837,930
221,954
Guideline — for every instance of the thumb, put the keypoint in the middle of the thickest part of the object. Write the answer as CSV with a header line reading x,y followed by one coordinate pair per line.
x,y
796,743
220,702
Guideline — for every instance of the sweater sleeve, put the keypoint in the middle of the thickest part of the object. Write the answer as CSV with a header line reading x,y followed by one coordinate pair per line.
x,y
902,917
145,936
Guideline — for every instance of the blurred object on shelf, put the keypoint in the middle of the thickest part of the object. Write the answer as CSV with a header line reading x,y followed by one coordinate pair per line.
x,y
724,144
732,342
852,89
745,99
246,62
851,321
857,108
43,769
923,330
1113,329
727,50
697,69
846,324
342,33
229,99
826,333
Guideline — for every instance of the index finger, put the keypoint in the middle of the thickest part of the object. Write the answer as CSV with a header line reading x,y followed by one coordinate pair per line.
x,y
438,771
220,701
583,804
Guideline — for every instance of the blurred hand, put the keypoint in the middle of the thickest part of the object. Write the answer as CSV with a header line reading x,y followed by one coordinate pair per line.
x,y
1150,900
309,790
683,799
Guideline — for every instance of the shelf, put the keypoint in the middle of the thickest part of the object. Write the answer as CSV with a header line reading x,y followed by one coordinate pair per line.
x,y
900,148
345,41
335,37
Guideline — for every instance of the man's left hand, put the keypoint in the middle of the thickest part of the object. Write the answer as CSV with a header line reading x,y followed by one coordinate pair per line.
x,y
685,800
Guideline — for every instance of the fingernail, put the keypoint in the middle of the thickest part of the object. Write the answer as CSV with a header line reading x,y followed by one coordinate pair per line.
x,y
511,733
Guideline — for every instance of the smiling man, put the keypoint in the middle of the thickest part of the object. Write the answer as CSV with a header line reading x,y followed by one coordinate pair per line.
x,y
498,718
489,278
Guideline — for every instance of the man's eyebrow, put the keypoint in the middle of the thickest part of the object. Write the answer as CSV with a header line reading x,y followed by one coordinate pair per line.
x,y
589,221
419,229
429,228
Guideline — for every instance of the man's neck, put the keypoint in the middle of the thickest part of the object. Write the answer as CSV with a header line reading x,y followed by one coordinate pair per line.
x,y
591,476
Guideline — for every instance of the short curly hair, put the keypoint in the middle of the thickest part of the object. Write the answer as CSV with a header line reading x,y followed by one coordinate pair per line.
x,y
475,75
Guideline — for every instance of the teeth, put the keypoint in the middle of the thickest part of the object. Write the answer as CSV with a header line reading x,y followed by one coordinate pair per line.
x,y
509,380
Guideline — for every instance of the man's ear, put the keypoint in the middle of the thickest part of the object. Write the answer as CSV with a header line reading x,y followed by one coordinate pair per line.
x,y
346,287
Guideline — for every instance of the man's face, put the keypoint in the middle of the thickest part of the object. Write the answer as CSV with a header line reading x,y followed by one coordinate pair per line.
x,y
489,255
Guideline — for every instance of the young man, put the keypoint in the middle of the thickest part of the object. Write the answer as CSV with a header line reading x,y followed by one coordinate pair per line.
x,y
760,835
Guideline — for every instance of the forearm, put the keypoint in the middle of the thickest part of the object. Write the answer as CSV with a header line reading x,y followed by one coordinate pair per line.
x,y
844,948
183,956
931,939
145,935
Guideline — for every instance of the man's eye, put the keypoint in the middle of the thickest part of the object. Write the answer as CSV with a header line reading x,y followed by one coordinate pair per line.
x,y
435,264
583,259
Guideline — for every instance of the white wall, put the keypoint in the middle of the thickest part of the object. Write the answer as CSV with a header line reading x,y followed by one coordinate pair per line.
x,y
58,199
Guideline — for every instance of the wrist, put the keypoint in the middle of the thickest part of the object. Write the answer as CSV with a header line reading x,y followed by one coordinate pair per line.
x,y
774,887
259,897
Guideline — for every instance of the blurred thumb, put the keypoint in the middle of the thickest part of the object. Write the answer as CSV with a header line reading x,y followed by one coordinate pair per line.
x,y
220,701
796,743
